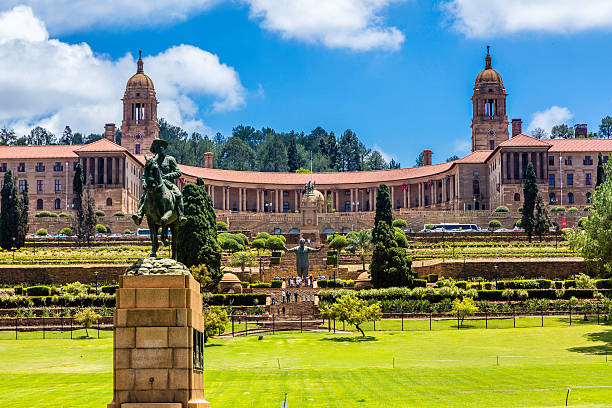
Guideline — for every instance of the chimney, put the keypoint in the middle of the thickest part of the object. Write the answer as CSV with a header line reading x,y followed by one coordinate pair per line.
x,y
517,127
427,157
208,160
109,132
580,131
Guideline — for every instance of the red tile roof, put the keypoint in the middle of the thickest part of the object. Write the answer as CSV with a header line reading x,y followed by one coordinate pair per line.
x,y
522,140
327,179
476,157
39,152
580,145
100,146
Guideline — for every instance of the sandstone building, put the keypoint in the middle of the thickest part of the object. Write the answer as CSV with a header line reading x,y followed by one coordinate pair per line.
x,y
491,175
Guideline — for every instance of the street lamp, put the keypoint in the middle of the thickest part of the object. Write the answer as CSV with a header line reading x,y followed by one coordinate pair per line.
x,y
96,275
495,276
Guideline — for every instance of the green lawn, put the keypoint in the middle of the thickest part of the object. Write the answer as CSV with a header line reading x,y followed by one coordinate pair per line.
x,y
446,368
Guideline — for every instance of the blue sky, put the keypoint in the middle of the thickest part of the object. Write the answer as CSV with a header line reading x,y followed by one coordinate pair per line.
x,y
398,73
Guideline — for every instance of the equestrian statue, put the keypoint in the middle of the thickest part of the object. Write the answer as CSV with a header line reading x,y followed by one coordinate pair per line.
x,y
161,201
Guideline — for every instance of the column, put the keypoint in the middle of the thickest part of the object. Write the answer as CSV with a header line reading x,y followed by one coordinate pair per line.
x,y
539,174
295,200
374,193
392,197
258,208
239,198
224,200
512,168
404,194
95,170
336,206
370,207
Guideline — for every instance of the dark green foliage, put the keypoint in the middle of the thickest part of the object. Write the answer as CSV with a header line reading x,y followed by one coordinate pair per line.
x,y
530,194
461,284
570,283
244,299
600,170
276,283
293,159
419,160
275,260
390,265
275,242
262,235
419,283
524,284
77,189
221,226
38,291
605,128
400,238
542,221
399,223
501,208
100,213
432,278
109,289
493,224
22,229
89,217
9,212
198,237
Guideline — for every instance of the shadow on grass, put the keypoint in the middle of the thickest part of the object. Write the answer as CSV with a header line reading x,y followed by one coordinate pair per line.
x,y
206,345
346,339
604,336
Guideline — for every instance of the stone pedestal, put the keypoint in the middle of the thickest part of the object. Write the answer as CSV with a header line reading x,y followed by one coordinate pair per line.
x,y
158,343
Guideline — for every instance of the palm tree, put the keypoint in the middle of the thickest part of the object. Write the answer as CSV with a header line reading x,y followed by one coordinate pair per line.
x,y
243,259
360,241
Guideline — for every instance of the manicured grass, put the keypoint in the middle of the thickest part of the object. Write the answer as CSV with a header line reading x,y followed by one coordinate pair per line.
x,y
446,368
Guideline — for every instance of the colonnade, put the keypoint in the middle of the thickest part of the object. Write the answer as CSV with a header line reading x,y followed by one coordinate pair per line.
x,y
103,170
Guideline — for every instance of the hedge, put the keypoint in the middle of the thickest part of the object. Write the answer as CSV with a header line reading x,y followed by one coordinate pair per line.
x,y
432,278
102,300
502,208
461,284
419,283
277,254
45,214
239,299
495,224
603,283
100,213
496,295
275,260
119,214
276,283
260,285
109,289
38,291
524,284
331,283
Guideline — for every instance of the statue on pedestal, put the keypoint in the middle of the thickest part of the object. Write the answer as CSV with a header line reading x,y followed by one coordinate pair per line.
x,y
161,201
301,253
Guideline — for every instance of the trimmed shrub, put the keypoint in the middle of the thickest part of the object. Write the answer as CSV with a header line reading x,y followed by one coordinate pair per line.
x,y
101,229
274,242
42,232
432,278
127,231
488,285
461,284
581,221
239,299
419,283
111,289
544,283
558,285
275,260
38,291
572,209
569,284
400,239
277,254
261,285
43,214
66,231
399,223
18,290
599,284
263,235
276,283
65,215
119,214
557,208
588,208
221,226
518,223
429,226
502,208
494,224
100,213
520,209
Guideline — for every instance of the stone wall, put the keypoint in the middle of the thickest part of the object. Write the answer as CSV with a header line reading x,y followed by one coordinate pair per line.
x,y
506,268
60,274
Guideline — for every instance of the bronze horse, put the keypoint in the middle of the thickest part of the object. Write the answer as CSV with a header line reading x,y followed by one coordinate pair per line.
x,y
159,208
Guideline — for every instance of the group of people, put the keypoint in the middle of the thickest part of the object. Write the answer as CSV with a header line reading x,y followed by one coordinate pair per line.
x,y
298,281
285,297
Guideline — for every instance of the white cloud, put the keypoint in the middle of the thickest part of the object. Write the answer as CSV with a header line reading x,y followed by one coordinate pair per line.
x,y
64,16
484,18
462,146
353,24
54,84
384,154
546,119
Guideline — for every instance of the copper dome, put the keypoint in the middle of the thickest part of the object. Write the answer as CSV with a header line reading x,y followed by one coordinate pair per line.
x,y
139,79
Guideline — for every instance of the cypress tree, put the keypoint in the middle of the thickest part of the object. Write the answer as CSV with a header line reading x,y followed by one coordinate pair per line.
x,y
198,237
23,216
390,265
77,189
530,194
293,160
89,218
542,221
9,212
600,170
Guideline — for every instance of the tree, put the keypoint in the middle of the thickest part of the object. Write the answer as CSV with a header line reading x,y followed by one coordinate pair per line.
x,y
7,137
350,151
605,129
9,212
452,158
420,161
87,318
66,138
541,221
561,132
530,194
77,189
393,164
272,154
293,159
215,319
89,217
40,136
243,259
236,154
353,310
22,230
600,171
390,265
463,308
275,243
539,133
360,241
198,237
374,161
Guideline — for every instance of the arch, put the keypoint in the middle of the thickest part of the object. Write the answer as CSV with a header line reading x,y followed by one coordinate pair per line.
x,y
39,204
277,231
475,187
588,198
58,204
552,198
294,231
109,201
345,230
517,197
570,198
328,231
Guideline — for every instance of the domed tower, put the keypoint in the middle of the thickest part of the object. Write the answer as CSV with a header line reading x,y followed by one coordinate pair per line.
x,y
489,119
139,125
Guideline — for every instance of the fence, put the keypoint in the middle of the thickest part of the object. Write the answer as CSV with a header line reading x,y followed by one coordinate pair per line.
x,y
28,328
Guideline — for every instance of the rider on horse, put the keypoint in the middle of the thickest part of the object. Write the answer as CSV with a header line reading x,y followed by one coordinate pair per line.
x,y
170,172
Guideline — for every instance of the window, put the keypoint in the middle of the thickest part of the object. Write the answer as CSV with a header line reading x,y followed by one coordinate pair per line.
x,y
109,201
551,179
475,187
570,198
39,186
58,204
137,149
570,179
21,167
568,161
588,161
40,167
551,160
39,204
491,144
22,184
517,197
588,179
3,167
552,198
285,194
347,206
475,174
588,198
58,166
58,186
347,193
285,206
